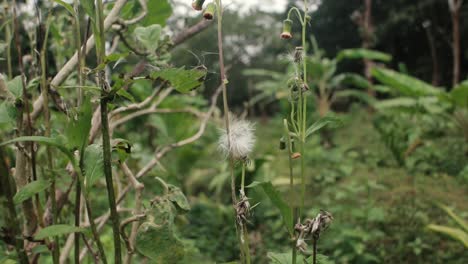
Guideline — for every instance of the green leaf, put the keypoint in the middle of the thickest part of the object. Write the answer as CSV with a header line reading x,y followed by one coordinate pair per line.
x,y
176,196
322,122
286,258
116,56
364,54
158,122
88,6
181,79
159,11
361,95
159,243
54,142
93,165
67,6
30,190
462,223
459,95
124,94
454,233
7,113
149,36
58,230
401,102
277,200
77,131
404,84
40,249
351,79
15,86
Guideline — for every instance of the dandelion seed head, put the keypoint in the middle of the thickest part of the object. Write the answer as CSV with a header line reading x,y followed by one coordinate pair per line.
x,y
241,140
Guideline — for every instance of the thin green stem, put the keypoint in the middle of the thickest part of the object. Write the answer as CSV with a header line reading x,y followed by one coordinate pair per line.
x,y
46,111
106,147
303,101
78,50
243,178
292,201
245,232
8,41
298,13
79,173
246,243
80,99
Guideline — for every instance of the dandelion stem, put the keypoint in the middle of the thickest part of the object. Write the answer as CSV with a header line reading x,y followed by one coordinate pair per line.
x,y
224,81
245,232
303,113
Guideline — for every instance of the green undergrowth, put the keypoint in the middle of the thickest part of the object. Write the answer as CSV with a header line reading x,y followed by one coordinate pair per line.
x,y
381,209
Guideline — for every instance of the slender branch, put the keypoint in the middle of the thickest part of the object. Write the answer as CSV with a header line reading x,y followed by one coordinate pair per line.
x,y
137,19
151,110
153,107
137,212
159,154
68,68
191,31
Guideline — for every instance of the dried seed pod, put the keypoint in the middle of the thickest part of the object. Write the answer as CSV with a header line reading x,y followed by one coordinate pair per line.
x,y
209,12
298,54
287,26
198,4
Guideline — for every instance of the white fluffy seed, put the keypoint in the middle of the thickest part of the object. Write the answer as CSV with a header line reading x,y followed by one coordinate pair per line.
x,y
242,139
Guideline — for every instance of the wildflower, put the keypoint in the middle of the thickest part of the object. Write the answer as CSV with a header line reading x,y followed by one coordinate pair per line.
x,y
210,9
241,140
287,26
198,4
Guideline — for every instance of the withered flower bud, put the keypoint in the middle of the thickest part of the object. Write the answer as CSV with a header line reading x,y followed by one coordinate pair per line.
x,y
209,12
298,54
296,155
287,26
198,4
